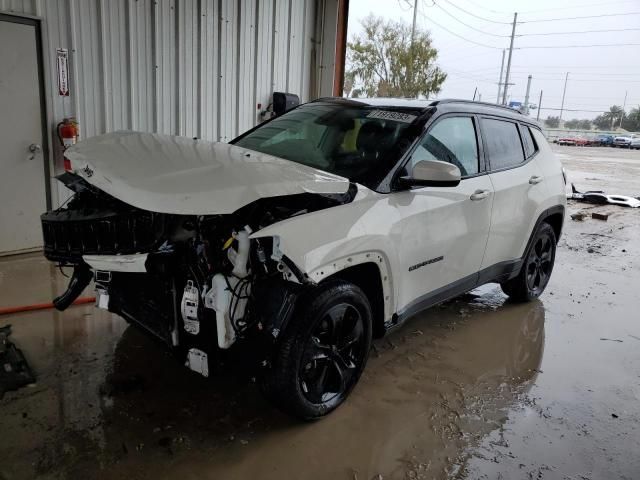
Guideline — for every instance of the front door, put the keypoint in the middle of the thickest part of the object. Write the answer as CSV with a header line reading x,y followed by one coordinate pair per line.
x,y
444,230
22,162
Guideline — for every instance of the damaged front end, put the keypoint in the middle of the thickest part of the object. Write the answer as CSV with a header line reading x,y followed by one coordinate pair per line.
x,y
198,283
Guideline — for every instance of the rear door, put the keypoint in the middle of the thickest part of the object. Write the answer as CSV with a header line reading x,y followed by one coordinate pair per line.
x,y
518,185
443,230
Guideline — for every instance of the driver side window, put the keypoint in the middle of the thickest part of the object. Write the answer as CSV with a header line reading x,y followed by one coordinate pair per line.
x,y
453,140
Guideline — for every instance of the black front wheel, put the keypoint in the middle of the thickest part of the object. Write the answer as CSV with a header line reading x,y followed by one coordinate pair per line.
x,y
322,352
536,270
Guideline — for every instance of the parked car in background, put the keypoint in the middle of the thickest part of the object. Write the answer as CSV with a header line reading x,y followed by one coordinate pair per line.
x,y
593,141
635,143
605,140
581,141
624,140
567,141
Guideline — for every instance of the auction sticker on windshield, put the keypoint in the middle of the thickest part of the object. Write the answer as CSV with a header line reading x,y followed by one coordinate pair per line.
x,y
394,116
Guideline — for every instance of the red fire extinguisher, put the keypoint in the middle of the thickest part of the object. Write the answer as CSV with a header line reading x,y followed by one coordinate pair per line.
x,y
68,132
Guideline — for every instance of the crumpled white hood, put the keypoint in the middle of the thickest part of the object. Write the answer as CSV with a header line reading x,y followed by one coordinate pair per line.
x,y
169,174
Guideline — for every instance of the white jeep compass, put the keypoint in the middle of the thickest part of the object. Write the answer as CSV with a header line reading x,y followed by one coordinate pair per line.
x,y
305,237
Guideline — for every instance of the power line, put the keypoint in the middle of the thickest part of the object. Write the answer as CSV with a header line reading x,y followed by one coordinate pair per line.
x,y
573,110
619,80
599,74
579,18
578,32
531,34
488,9
458,73
474,15
582,46
502,12
564,67
460,36
535,68
470,26
587,5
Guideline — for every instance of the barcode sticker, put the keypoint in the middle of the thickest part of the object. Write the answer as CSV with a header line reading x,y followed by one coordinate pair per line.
x,y
393,116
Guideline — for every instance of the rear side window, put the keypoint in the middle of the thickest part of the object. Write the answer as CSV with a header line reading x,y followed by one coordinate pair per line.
x,y
453,140
503,143
530,147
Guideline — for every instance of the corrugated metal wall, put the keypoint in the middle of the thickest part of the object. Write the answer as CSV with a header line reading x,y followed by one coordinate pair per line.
x,y
186,67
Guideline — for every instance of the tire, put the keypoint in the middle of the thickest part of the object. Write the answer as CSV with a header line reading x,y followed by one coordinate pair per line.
x,y
322,352
537,267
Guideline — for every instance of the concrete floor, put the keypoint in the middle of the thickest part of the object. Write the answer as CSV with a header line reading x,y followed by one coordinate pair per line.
x,y
475,388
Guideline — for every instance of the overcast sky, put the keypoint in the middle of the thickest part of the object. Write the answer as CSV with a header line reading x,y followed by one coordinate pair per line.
x,y
598,76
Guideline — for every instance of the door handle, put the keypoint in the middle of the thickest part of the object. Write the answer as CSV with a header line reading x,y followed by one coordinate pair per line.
x,y
535,180
34,148
479,195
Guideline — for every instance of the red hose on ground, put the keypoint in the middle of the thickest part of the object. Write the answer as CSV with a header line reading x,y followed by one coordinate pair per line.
x,y
41,306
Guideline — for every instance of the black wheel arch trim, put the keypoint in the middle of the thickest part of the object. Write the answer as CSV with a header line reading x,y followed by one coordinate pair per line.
x,y
548,213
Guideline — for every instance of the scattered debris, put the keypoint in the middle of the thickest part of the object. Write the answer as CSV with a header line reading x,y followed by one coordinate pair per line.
x,y
612,339
600,216
578,217
598,197
614,415
14,369
598,235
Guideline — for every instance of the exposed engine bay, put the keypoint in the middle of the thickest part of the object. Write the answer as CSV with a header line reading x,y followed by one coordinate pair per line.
x,y
198,283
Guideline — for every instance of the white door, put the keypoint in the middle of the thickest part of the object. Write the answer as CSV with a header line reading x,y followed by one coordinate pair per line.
x,y
444,231
22,172
519,189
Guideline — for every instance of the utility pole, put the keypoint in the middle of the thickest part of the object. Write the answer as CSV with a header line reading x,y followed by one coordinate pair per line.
x,y
500,79
526,96
413,34
539,106
479,97
566,77
624,104
474,94
413,27
506,78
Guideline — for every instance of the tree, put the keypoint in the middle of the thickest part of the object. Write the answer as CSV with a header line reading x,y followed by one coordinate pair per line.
x,y
632,120
552,122
602,122
572,124
382,62
347,87
584,124
613,116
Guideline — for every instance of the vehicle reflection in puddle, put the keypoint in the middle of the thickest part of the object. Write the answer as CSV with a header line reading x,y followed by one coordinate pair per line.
x,y
108,396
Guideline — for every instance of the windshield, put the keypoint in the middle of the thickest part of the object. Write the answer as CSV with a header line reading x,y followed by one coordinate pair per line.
x,y
361,143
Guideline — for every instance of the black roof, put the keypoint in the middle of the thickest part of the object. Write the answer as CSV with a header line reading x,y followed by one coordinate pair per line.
x,y
447,104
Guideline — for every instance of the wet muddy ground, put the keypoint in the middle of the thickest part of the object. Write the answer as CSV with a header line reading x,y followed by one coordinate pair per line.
x,y
475,388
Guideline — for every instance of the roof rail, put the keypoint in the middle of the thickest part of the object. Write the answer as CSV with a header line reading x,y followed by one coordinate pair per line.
x,y
487,104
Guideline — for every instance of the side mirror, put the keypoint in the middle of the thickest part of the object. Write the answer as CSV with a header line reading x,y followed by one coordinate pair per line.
x,y
433,173
283,102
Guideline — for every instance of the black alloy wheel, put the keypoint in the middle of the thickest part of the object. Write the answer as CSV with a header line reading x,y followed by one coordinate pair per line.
x,y
536,269
540,263
322,351
332,354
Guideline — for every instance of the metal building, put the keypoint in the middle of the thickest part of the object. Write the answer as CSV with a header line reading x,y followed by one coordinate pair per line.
x,y
200,68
